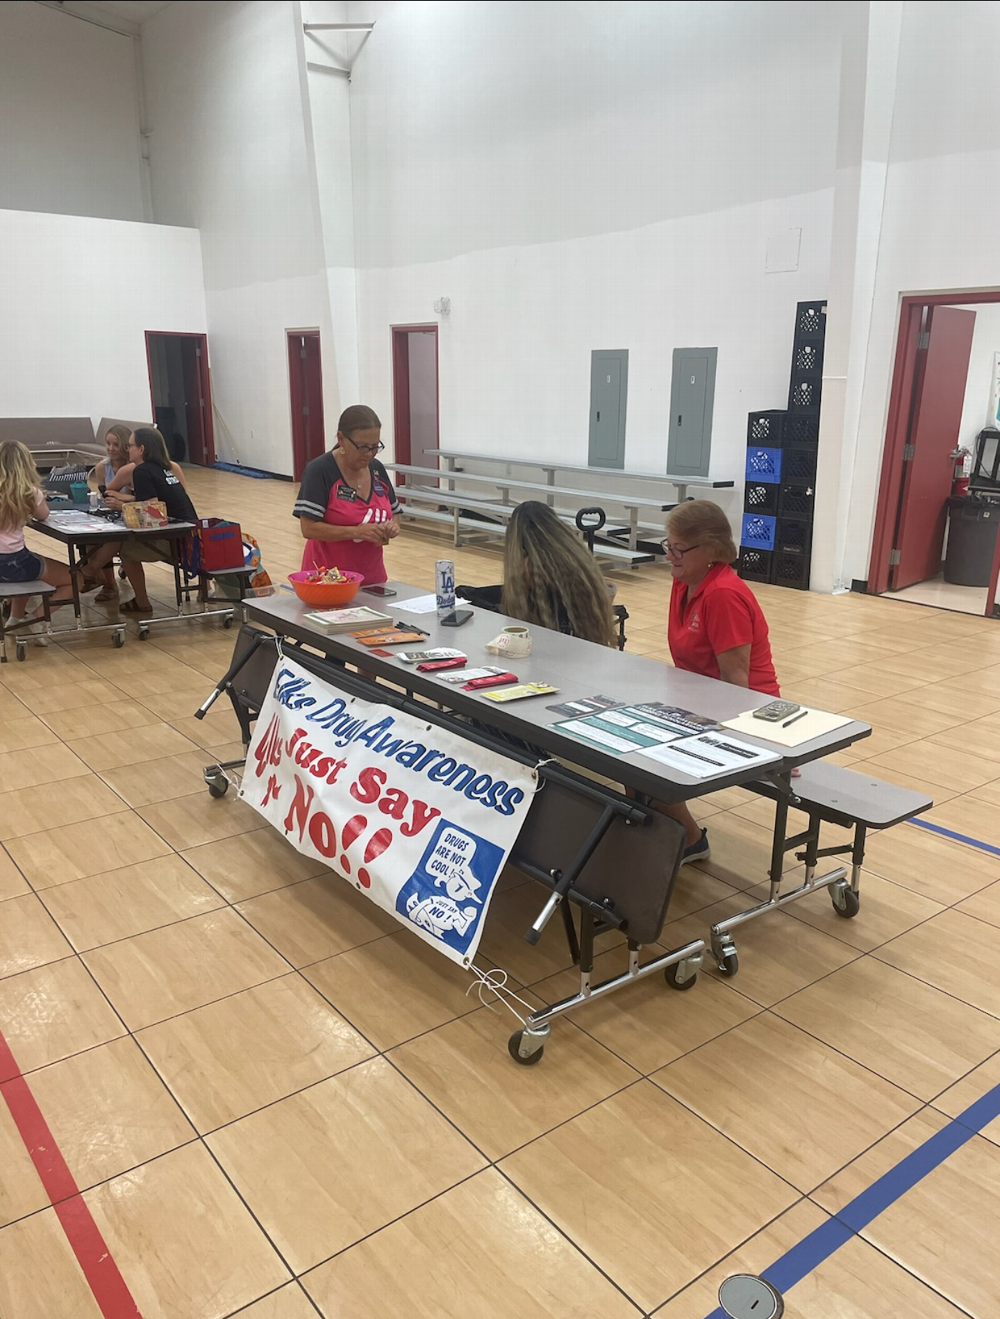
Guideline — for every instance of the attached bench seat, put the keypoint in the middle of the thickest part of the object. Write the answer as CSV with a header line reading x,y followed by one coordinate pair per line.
x,y
827,794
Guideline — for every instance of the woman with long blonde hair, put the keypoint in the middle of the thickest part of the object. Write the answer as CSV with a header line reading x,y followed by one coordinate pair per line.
x,y
116,447
550,577
21,500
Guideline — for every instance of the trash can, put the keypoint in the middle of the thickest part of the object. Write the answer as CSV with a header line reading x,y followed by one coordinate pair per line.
x,y
972,537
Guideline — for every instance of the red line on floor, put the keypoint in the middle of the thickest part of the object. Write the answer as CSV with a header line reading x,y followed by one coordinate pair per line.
x,y
84,1236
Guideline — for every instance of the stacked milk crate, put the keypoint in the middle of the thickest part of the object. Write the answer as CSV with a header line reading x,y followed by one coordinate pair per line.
x,y
776,540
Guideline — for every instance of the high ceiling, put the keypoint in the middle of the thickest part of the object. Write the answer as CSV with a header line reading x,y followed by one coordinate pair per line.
x,y
125,15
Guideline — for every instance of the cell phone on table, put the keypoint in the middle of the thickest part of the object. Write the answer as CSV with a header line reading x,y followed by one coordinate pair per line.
x,y
456,618
776,711
378,590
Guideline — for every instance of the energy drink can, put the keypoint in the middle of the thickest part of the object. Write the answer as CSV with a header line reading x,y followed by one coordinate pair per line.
x,y
444,586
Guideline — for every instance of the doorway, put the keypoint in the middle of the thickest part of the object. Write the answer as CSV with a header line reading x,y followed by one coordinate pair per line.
x,y
944,392
180,390
305,388
415,396
692,402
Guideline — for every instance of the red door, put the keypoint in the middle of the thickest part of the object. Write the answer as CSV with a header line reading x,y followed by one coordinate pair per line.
x,y
415,397
938,397
305,382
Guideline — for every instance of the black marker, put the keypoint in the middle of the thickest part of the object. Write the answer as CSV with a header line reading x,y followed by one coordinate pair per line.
x,y
408,627
801,715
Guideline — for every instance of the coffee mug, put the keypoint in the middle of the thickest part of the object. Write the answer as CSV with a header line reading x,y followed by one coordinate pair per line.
x,y
514,642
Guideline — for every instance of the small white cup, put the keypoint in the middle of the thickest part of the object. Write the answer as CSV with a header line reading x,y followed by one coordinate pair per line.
x,y
514,642
95,499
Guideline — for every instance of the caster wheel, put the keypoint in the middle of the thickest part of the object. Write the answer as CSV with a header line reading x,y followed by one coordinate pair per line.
x,y
513,1044
227,622
21,651
729,964
218,787
143,633
846,902
670,975
117,640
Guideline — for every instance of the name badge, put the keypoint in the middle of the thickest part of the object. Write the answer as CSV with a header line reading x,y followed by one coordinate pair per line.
x,y
345,492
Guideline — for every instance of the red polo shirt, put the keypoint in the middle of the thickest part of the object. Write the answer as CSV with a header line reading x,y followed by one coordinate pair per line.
x,y
721,615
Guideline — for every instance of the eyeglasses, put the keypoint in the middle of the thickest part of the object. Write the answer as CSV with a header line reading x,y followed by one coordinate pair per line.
x,y
365,448
674,551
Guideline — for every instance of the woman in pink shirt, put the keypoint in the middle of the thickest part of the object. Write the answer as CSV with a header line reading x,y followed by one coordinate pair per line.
x,y
21,500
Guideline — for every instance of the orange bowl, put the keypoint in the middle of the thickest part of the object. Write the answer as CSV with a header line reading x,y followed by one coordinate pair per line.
x,y
325,595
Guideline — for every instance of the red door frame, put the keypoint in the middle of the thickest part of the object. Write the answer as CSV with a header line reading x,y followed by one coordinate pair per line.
x,y
205,380
897,428
298,393
400,348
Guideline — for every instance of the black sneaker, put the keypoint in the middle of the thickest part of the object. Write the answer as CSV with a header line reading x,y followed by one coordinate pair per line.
x,y
699,851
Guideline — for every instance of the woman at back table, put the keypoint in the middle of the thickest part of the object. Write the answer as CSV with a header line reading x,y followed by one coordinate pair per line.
x,y
347,509
716,627
153,476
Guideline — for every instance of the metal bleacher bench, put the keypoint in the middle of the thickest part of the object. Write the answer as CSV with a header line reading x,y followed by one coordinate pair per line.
x,y
680,483
505,484
450,507
827,794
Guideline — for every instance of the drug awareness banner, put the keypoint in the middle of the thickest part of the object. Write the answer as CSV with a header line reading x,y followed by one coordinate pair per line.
x,y
419,820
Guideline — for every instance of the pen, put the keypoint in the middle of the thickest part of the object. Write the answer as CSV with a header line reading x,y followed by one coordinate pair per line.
x,y
408,627
801,715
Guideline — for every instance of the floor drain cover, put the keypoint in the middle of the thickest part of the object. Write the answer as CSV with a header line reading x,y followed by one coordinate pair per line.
x,y
745,1297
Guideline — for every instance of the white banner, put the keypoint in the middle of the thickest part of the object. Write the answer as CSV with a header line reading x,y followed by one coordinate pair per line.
x,y
419,820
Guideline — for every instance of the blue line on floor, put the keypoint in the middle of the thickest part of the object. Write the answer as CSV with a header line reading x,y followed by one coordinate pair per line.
x,y
959,838
820,1244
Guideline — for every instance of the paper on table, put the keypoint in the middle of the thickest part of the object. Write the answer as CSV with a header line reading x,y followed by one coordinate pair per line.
x,y
710,755
814,724
424,604
76,520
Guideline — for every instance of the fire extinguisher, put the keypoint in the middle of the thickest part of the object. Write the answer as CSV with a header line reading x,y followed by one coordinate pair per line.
x,y
963,471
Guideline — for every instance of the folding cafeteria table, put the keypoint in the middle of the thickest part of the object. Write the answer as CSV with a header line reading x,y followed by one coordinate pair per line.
x,y
610,854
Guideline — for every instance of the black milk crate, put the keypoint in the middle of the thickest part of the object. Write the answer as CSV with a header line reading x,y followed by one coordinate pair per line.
x,y
767,428
754,565
790,570
795,501
807,356
810,318
804,392
793,536
802,429
759,497
798,466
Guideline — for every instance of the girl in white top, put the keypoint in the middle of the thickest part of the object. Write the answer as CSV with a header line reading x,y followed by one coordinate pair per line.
x,y
116,444
20,501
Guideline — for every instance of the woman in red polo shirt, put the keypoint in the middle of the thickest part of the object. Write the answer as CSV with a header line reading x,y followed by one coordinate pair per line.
x,y
716,626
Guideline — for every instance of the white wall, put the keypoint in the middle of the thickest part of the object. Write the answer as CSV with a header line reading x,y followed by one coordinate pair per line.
x,y
69,131
78,296
942,196
579,176
231,154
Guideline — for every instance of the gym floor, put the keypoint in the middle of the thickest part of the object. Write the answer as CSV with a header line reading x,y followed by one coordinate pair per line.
x,y
234,1087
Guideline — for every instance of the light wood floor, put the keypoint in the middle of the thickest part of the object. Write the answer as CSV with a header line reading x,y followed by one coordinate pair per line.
x,y
276,1103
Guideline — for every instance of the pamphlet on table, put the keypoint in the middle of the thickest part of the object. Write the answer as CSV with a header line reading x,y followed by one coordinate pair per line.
x,y
623,728
710,755
424,604
348,620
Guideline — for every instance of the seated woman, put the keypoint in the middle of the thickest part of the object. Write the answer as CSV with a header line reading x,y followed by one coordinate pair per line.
x,y
550,578
116,446
153,476
104,474
21,500
716,627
